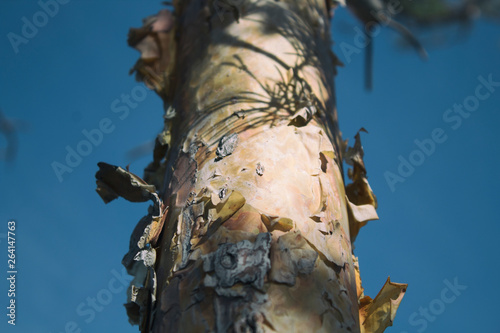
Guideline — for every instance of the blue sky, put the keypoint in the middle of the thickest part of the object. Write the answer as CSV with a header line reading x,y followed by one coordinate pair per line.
x,y
438,222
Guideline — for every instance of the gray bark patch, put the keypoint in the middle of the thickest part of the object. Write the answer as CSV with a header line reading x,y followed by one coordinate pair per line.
x,y
227,145
244,262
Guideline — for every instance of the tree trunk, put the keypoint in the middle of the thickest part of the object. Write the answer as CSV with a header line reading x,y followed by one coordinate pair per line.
x,y
251,230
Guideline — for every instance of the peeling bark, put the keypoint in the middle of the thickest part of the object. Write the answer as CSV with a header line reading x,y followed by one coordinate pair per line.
x,y
252,228
269,250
